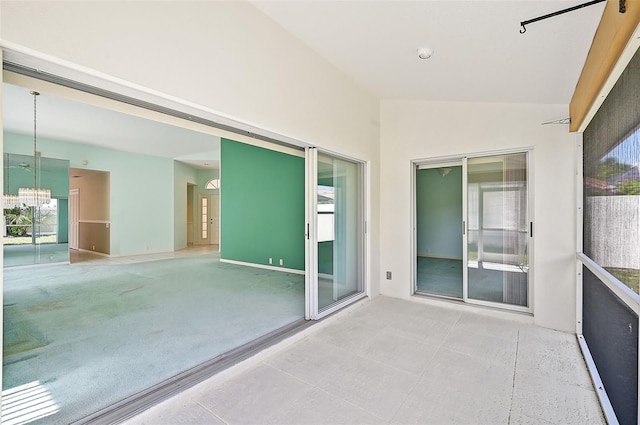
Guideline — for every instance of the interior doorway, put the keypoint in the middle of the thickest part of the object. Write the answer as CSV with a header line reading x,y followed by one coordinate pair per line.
x,y
439,244
89,224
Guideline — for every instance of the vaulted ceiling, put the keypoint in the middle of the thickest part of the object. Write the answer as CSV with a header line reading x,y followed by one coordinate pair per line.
x,y
479,54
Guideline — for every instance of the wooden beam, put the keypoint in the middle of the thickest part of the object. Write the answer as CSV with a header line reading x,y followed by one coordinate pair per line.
x,y
612,36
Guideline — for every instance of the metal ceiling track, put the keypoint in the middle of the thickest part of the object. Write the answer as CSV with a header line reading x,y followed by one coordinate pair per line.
x,y
622,9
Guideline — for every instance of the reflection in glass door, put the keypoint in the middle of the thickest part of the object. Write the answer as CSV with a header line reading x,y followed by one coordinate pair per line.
x,y
498,230
335,233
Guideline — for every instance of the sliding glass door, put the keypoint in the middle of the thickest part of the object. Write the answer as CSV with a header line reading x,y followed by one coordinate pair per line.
x,y
498,229
473,230
335,233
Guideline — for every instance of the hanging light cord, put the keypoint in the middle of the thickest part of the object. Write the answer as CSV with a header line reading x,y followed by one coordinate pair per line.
x,y
35,152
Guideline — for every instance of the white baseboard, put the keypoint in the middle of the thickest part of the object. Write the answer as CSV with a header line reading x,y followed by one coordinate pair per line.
x,y
262,266
440,257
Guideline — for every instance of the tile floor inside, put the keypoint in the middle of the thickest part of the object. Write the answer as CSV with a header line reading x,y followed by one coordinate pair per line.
x,y
391,361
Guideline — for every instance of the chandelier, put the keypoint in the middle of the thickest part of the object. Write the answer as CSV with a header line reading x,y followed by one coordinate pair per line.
x,y
34,197
10,201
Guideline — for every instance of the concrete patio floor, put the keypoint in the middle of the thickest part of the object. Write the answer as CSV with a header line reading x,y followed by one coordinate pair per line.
x,y
390,361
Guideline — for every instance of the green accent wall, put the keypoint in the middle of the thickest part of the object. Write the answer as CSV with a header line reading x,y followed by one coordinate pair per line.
x,y
439,213
63,220
262,205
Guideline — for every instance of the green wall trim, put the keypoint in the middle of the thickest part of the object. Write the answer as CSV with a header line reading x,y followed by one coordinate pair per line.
x,y
261,205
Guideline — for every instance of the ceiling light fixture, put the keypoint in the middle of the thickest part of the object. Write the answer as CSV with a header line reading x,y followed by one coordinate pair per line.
x,y
34,197
424,53
444,171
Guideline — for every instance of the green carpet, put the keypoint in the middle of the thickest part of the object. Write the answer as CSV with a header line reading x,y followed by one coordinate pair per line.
x,y
440,276
27,254
95,334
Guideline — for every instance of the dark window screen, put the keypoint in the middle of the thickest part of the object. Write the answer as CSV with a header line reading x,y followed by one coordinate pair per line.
x,y
612,180
611,239
611,331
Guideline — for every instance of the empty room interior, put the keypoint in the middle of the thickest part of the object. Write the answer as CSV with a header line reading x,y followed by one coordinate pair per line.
x,y
251,212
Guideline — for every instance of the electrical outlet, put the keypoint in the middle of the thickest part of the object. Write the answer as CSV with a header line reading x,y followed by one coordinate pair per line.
x,y
388,275
270,260
281,262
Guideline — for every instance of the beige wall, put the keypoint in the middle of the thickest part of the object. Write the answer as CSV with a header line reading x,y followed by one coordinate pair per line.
x,y
94,196
94,237
417,130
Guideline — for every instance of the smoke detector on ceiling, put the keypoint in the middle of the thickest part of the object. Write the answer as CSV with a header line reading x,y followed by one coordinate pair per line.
x,y
424,53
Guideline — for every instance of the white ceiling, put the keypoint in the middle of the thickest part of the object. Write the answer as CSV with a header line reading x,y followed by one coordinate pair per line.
x,y
62,119
480,56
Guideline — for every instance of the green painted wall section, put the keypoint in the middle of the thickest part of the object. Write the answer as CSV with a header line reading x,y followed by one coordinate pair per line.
x,y
63,220
439,213
142,191
53,174
262,205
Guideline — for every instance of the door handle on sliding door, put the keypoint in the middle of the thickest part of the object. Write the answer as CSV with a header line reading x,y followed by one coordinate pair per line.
x,y
464,227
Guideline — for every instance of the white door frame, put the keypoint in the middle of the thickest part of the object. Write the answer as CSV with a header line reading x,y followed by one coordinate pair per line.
x,y
438,162
74,226
311,233
423,164
311,240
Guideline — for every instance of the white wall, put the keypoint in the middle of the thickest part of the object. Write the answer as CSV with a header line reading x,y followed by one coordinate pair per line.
x,y
415,130
226,56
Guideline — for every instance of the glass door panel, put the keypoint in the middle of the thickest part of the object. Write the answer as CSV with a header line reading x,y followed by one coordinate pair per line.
x,y
439,244
498,231
339,229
